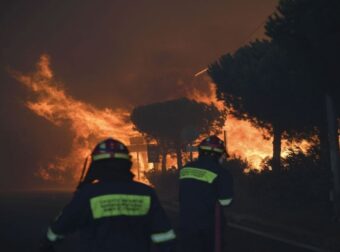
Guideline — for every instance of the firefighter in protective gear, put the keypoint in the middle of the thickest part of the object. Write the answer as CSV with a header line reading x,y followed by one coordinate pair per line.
x,y
205,187
110,210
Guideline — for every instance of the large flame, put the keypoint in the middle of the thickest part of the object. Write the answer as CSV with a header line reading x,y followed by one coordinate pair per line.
x,y
90,125
242,138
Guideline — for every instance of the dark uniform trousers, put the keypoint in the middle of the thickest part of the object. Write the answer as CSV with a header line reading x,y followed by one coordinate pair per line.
x,y
199,241
205,187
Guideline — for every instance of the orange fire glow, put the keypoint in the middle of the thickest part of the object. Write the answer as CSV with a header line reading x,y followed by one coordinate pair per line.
x,y
243,139
90,124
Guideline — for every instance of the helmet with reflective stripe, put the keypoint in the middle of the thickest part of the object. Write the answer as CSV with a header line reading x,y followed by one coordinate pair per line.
x,y
212,144
110,149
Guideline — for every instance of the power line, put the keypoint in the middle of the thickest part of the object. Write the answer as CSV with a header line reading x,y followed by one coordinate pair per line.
x,y
242,43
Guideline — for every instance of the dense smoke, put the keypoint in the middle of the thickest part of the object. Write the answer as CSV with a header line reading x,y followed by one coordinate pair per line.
x,y
112,54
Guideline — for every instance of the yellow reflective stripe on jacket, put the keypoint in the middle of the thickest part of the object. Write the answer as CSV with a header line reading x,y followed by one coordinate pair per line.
x,y
121,155
163,237
119,205
108,155
211,149
51,236
198,174
225,202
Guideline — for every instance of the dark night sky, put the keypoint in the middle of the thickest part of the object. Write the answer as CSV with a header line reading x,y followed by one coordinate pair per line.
x,y
117,53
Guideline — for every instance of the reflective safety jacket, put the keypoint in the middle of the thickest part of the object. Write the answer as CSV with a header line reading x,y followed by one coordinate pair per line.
x,y
115,216
203,183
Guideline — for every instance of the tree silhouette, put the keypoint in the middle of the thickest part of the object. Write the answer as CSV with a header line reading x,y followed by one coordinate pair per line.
x,y
176,123
309,31
257,84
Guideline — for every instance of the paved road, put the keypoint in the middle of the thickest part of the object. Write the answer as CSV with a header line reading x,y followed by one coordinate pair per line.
x,y
25,216
242,238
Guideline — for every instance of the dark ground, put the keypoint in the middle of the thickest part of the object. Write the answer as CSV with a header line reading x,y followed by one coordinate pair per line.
x,y
25,216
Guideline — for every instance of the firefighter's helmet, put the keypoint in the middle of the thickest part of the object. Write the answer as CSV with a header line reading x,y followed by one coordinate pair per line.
x,y
212,144
110,149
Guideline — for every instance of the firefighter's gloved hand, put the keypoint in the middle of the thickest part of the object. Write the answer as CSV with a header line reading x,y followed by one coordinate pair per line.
x,y
46,245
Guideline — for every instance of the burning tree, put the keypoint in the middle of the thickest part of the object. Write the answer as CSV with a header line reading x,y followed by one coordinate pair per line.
x,y
258,85
176,123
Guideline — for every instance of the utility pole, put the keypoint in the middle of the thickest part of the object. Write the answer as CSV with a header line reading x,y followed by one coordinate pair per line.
x,y
333,139
225,142
191,156
138,166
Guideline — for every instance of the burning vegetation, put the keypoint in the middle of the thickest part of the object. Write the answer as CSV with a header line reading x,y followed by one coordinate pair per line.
x,y
87,123
90,124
